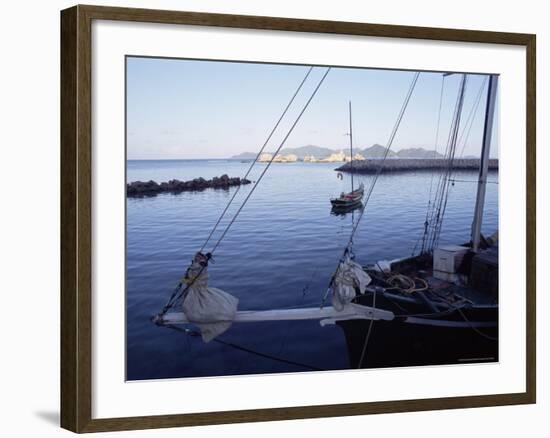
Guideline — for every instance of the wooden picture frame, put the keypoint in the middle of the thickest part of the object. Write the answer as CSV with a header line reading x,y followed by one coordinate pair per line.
x,y
76,217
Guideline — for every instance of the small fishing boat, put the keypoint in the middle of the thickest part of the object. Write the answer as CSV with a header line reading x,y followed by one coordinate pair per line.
x,y
349,200
352,200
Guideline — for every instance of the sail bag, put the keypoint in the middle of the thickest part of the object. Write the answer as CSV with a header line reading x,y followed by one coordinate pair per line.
x,y
350,278
211,309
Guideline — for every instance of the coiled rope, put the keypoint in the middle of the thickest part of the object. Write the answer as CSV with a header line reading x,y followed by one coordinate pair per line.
x,y
407,284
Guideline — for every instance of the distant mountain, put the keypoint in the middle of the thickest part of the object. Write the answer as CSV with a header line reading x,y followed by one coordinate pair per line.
x,y
301,152
375,151
418,153
244,156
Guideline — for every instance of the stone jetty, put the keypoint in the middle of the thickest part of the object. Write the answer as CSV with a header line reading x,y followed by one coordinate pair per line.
x,y
152,188
414,164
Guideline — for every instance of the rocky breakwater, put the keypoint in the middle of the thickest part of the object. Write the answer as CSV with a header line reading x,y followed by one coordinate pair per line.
x,y
151,188
414,164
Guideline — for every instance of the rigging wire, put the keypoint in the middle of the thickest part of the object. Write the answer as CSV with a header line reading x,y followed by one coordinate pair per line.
x,y
436,143
257,157
465,135
471,116
191,332
440,203
367,337
446,156
371,187
180,292
270,161
475,329
388,147
441,213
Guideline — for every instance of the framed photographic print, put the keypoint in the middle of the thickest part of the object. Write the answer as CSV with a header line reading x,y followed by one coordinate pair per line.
x,y
268,218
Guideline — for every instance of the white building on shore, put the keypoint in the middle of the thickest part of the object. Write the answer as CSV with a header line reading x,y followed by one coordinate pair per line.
x,y
356,157
290,158
265,157
310,159
337,157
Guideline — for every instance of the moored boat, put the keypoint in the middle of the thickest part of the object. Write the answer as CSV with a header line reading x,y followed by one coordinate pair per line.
x,y
348,200
351,200
439,317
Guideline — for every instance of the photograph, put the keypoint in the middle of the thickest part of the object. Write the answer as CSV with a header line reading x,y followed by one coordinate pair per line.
x,y
285,218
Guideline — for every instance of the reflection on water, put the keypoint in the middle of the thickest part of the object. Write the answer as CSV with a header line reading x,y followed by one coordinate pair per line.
x,y
280,253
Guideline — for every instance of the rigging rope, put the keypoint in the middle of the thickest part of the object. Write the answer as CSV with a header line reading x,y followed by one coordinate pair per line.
x,y
347,248
257,158
180,292
367,337
190,332
465,134
436,143
475,329
471,116
440,202
270,161
441,212
446,156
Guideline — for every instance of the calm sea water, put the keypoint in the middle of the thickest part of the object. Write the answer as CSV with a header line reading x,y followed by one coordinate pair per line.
x,y
280,253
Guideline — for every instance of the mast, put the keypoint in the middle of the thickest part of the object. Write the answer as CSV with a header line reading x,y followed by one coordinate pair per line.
x,y
351,146
484,165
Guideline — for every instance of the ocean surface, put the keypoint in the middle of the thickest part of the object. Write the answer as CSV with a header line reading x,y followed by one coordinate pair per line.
x,y
280,253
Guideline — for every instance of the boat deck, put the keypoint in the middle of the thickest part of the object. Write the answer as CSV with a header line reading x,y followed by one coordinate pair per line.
x,y
480,298
420,268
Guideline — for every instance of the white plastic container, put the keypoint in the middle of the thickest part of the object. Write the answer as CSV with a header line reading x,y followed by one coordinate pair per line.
x,y
447,259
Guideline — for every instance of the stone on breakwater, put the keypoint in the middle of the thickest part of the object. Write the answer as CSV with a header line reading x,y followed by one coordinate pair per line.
x,y
152,188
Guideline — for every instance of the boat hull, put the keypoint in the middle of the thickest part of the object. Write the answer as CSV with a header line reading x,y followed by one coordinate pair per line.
x,y
466,336
345,203
349,200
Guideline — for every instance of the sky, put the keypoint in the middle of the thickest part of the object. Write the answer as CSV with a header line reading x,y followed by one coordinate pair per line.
x,y
192,109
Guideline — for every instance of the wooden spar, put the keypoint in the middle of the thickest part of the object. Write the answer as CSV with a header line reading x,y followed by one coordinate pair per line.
x,y
484,165
351,311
